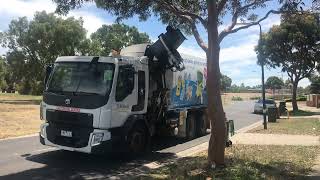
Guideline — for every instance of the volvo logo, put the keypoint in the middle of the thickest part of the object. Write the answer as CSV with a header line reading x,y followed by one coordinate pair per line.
x,y
67,101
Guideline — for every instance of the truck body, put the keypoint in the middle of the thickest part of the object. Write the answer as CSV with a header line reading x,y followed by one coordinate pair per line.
x,y
99,104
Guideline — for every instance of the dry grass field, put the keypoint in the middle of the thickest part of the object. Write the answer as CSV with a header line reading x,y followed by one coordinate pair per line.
x,y
227,97
19,115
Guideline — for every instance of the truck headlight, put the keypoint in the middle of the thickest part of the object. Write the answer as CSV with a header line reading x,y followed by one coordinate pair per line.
x,y
43,131
96,139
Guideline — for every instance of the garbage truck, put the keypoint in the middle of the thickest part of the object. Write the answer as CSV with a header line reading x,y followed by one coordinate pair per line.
x,y
95,104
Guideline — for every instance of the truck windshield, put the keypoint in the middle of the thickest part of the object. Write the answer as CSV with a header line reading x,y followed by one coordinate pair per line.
x,y
81,78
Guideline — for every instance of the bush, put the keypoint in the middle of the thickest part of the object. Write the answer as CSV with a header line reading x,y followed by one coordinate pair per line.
x,y
236,98
37,88
29,87
24,87
299,98
255,98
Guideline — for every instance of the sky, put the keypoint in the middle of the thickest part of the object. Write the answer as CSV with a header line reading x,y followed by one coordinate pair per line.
x,y
237,56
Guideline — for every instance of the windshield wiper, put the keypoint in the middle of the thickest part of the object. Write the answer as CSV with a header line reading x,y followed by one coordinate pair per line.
x,y
55,92
85,93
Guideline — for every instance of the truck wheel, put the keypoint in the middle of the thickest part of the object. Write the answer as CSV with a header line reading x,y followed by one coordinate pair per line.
x,y
191,126
201,124
137,139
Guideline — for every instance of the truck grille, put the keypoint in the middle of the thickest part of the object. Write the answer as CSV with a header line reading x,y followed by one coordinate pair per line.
x,y
69,118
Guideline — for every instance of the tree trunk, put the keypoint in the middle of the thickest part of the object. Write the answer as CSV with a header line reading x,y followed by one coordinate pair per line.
x,y
294,96
215,109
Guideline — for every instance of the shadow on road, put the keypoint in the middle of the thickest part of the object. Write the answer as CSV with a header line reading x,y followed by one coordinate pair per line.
x,y
62,164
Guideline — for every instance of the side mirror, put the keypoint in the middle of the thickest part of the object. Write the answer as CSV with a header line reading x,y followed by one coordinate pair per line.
x,y
48,72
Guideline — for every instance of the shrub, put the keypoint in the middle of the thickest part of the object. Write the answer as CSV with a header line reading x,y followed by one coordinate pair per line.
x,y
255,98
236,98
299,98
30,87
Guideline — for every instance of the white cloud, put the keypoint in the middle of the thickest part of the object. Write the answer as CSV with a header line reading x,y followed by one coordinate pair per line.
x,y
192,51
249,81
304,82
90,22
243,53
17,8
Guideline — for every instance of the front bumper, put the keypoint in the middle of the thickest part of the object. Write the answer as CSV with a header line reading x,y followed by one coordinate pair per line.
x,y
96,148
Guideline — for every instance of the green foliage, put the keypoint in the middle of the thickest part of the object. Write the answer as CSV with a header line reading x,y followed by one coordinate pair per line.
x,y
315,84
117,36
236,98
179,14
36,43
255,98
288,84
225,82
292,46
299,98
273,82
3,84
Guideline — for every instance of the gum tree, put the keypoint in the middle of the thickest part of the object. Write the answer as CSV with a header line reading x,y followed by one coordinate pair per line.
x,y
225,82
190,16
120,35
273,82
294,47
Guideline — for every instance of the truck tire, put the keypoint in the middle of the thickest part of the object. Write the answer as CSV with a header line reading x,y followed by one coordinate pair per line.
x,y
138,139
201,124
191,126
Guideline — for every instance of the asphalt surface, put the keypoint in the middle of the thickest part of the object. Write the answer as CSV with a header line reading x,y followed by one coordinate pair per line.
x,y
26,158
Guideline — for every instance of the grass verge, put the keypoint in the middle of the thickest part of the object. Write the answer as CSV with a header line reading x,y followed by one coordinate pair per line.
x,y
302,113
303,126
244,162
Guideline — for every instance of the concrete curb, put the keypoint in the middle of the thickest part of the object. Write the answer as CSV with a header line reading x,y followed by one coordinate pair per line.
x,y
19,137
248,128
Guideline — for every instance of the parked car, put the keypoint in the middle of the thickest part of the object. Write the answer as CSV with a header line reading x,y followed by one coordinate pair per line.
x,y
258,106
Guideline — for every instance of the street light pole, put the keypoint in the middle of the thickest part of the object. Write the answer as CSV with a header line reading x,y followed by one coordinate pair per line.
x,y
261,59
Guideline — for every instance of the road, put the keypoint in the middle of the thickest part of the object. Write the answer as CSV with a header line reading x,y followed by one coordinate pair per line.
x,y
26,158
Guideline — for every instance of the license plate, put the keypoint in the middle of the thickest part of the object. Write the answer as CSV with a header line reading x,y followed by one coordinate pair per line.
x,y
66,133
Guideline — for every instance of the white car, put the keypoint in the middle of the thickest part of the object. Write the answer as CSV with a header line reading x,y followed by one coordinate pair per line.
x,y
258,106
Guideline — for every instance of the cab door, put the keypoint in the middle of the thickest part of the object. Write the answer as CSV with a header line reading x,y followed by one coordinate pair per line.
x,y
125,95
140,107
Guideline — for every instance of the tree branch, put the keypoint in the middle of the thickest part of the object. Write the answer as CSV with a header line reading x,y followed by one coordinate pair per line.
x,y
192,22
179,11
227,31
251,4
198,37
221,5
